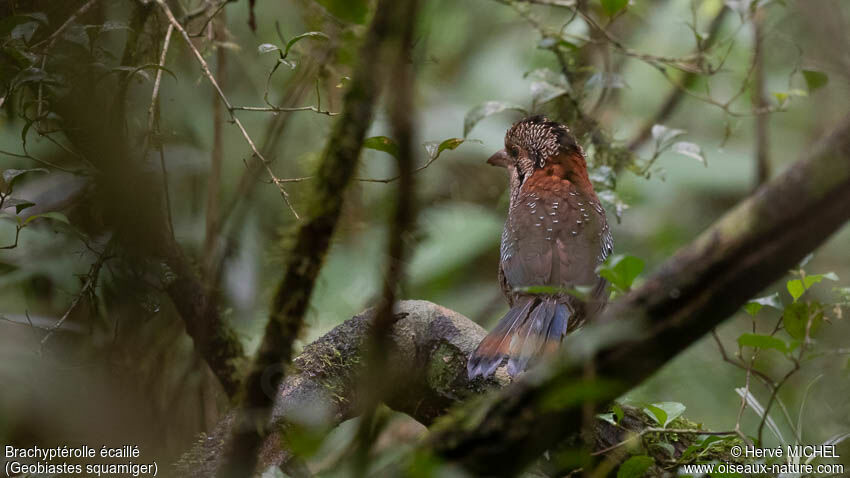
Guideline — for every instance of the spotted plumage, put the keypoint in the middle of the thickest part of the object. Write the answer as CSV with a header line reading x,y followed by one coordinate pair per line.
x,y
555,236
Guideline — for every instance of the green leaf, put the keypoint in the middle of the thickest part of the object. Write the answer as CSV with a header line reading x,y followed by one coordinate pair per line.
x,y
692,150
664,137
611,7
12,175
754,306
55,215
608,417
382,143
354,11
621,271
815,79
484,110
763,342
796,318
635,467
664,412
434,149
656,413
813,279
300,37
618,412
19,204
267,48
795,288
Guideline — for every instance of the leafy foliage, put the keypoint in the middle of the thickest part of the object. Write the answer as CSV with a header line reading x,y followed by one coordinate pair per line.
x,y
621,271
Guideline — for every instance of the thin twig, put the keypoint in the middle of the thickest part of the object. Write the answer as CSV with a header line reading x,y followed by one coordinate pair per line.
x,y
55,35
681,431
675,95
206,69
213,214
280,109
88,287
155,93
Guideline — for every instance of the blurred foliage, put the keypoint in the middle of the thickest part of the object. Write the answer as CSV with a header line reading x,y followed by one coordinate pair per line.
x,y
121,369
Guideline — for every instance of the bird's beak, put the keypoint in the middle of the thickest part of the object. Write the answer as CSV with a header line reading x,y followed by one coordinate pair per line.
x,y
499,159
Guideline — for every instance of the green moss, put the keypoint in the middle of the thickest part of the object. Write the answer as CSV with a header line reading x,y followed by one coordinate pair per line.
x,y
447,362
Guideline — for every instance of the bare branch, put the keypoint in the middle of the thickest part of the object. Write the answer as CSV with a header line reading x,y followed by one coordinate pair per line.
x,y
155,93
55,35
280,109
762,159
206,69
675,96
88,288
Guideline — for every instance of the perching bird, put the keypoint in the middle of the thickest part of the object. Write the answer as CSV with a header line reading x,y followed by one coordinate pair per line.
x,y
556,235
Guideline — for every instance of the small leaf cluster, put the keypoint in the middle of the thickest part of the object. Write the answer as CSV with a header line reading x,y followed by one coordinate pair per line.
x,y
7,185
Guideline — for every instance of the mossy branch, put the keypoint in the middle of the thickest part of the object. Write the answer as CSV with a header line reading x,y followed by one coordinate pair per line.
x,y
431,345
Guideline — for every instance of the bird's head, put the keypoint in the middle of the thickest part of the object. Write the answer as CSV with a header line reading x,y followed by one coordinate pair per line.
x,y
537,144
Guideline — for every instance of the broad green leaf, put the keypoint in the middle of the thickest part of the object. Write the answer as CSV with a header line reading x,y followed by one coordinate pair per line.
x,y
12,175
484,110
656,413
354,11
434,149
763,342
782,97
663,134
608,417
544,92
796,318
754,306
692,150
795,288
813,279
267,48
300,37
666,412
18,204
635,467
382,143
815,79
55,215
618,412
621,271
611,7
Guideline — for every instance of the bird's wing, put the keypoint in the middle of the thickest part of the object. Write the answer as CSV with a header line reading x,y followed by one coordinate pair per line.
x,y
526,252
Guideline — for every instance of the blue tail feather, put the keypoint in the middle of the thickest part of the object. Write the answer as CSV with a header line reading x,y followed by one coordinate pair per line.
x,y
532,328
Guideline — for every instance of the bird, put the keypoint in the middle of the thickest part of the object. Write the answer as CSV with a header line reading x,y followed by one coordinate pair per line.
x,y
555,236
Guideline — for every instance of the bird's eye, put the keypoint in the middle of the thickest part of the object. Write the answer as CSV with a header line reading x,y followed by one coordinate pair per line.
x,y
514,151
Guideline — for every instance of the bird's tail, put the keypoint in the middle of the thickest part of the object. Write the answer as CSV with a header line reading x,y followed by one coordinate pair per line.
x,y
532,328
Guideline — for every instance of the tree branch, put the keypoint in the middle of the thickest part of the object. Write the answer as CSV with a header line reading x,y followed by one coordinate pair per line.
x,y
427,365
206,69
677,93
312,240
762,156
